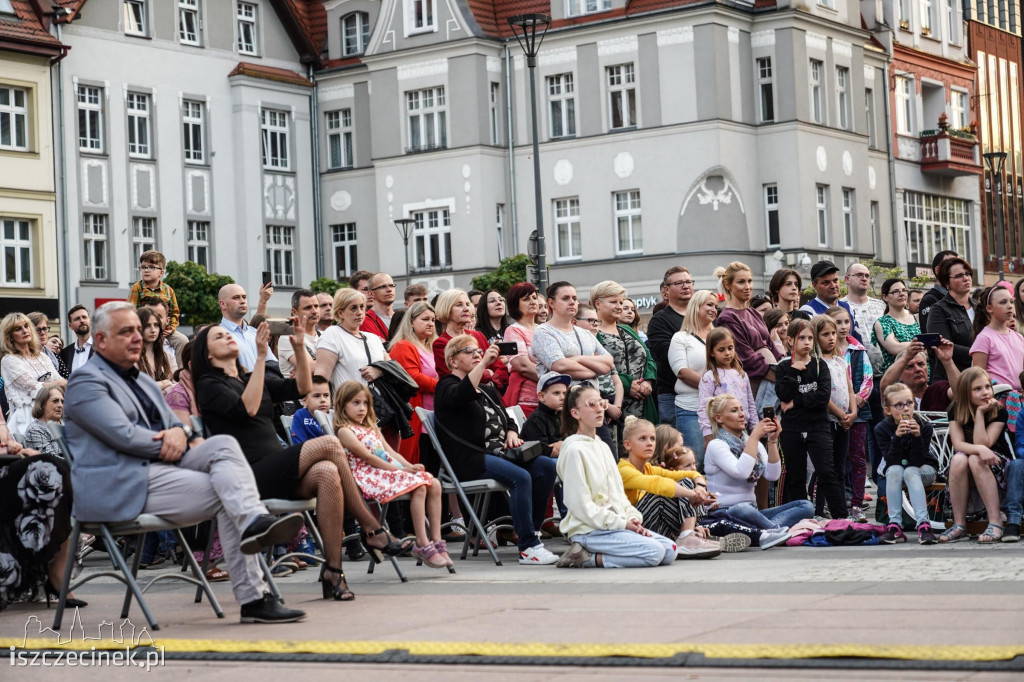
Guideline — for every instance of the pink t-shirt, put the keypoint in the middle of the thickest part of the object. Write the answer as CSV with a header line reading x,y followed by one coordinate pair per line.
x,y
524,340
1005,355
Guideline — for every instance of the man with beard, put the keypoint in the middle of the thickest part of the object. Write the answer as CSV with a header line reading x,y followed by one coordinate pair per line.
x,y
78,353
304,302
911,368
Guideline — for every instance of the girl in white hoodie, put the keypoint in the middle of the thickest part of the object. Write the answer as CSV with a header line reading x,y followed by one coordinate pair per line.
x,y
606,530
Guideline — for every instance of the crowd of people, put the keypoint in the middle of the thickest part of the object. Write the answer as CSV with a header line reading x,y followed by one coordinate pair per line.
x,y
732,419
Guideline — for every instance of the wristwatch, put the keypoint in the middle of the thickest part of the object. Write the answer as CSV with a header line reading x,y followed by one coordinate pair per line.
x,y
190,435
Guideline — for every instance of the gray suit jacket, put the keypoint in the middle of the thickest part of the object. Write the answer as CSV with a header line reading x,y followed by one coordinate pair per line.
x,y
111,445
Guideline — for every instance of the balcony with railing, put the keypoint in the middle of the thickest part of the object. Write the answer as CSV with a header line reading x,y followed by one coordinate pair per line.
x,y
949,151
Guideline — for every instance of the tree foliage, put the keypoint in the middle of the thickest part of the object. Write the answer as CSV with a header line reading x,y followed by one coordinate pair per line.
x,y
326,285
510,271
196,291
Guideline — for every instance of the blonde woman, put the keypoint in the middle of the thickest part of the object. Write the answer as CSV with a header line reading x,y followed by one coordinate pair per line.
x,y
456,312
25,369
412,348
344,353
633,362
687,354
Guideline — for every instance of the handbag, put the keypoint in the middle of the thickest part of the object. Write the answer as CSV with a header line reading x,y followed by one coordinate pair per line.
x,y
519,455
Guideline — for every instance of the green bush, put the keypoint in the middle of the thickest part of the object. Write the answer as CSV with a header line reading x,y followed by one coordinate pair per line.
x,y
510,271
196,291
326,285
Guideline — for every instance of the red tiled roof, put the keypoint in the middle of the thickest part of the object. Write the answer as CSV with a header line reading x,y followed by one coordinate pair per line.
x,y
641,6
72,6
25,30
269,73
312,18
340,63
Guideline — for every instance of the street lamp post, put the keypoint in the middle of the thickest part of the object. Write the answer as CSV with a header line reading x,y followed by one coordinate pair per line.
x,y
404,226
995,161
529,30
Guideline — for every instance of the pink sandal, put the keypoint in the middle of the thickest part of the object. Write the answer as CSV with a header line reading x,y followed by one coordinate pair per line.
x,y
442,549
429,556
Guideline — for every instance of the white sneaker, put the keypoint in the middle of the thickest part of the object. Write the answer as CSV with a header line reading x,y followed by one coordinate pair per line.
x,y
538,555
734,542
692,547
770,538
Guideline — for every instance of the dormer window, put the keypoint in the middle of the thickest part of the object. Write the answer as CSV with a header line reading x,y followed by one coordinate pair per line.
x,y
355,33
577,8
420,16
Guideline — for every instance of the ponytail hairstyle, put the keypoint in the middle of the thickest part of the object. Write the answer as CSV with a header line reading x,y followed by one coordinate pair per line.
x,y
715,406
887,285
727,274
571,425
982,318
963,412
633,424
715,337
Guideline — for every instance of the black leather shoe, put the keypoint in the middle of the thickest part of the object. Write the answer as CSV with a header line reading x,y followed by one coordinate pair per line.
x,y
267,531
269,610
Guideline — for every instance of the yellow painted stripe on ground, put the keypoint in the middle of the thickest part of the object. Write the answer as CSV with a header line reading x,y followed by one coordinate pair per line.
x,y
535,650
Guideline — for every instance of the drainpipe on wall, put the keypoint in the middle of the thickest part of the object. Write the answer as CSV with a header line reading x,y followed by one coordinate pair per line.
x,y
314,132
64,268
892,168
514,214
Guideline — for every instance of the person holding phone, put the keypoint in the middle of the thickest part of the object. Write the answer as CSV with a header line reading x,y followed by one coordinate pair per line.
x,y
25,369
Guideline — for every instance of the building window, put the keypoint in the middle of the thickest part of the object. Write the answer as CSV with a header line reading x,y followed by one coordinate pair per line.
x,y
199,242
904,13
16,244
771,214
562,105
958,107
621,97
275,139
764,89
246,16
821,206
427,119
339,138
828,4
355,33
432,239
281,254
343,239
193,122
94,246
904,120
954,33
935,223
848,224
817,109
13,119
139,136
143,239
577,8
495,94
876,234
628,227
90,118
843,96
869,113
421,15
568,244
188,22
136,20
926,17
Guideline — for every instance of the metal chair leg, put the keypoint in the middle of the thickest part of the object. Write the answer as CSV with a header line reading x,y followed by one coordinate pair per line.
x,y
206,556
129,577
65,583
136,560
271,585
200,576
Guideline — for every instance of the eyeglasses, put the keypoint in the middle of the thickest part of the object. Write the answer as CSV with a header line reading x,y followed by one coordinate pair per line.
x,y
475,352
961,275
681,283
389,287
592,321
150,267
862,275
42,330
896,292
597,404
903,406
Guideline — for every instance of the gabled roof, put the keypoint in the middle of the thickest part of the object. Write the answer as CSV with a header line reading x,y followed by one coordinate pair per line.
x,y
305,21
27,30
270,73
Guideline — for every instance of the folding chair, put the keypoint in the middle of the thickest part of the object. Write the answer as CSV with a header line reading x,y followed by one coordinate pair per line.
x,y
480,490
140,525
517,415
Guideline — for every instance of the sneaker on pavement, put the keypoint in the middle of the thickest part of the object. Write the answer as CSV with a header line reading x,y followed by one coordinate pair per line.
x,y
925,535
692,547
867,497
893,534
770,538
538,555
574,557
734,542
1011,533
269,609
858,514
267,531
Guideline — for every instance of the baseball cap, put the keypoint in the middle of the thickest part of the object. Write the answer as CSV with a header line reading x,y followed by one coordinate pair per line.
x,y
821,268
550,378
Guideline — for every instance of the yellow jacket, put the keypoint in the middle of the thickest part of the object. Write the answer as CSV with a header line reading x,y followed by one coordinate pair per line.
x,y
652,479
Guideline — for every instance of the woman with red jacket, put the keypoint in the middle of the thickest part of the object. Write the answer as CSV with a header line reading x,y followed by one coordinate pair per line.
x,y
412,348
455,311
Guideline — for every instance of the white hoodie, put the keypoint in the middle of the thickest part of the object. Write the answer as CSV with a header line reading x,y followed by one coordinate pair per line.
x,y
592,488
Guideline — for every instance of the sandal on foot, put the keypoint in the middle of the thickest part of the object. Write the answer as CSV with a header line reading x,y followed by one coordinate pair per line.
x,y
954,533
993,533
215,574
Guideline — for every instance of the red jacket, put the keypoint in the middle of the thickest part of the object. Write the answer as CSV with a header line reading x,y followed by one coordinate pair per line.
x,y
374,325
496,374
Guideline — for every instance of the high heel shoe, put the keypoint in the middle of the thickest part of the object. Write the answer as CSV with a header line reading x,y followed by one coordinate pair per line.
x,y
393,548
337,589
70,602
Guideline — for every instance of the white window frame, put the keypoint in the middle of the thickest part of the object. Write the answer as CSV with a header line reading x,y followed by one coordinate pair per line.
x,y
771,208
821,211
353,44
135,17
869,116
345,241
16,250
843,97
143,239
95,246
247,17
420,16
340,153
275,126
495,111
14,119
827,4
927,20
193,126
561,89
190,11
579,8
622,100
279,247
426,119
958,108
628,214
815,74
140,125
905,13
431,239
765,89
849,215
875,217
904,89
90,101
933,223
951,20
567,222
197,242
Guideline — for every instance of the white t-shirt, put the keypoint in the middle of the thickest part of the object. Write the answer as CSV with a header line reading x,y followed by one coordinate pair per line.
x,y
351,352
285,352
727,474
686,351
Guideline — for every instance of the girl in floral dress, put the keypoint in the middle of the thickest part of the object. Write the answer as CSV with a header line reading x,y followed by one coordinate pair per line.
x,y
382,474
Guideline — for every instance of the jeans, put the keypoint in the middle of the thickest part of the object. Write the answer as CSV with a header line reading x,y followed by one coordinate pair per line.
x,y
1014,474
796,448
688,425
626,549
529,488
667,408
916,479
773,518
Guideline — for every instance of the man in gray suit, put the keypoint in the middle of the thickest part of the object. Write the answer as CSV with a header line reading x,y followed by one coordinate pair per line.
x,y
133,456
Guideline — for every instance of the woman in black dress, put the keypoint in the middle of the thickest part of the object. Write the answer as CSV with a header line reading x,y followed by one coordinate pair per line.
x,y
241,404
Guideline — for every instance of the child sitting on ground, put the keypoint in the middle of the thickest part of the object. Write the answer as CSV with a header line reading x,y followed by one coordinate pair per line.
x,y
304,424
